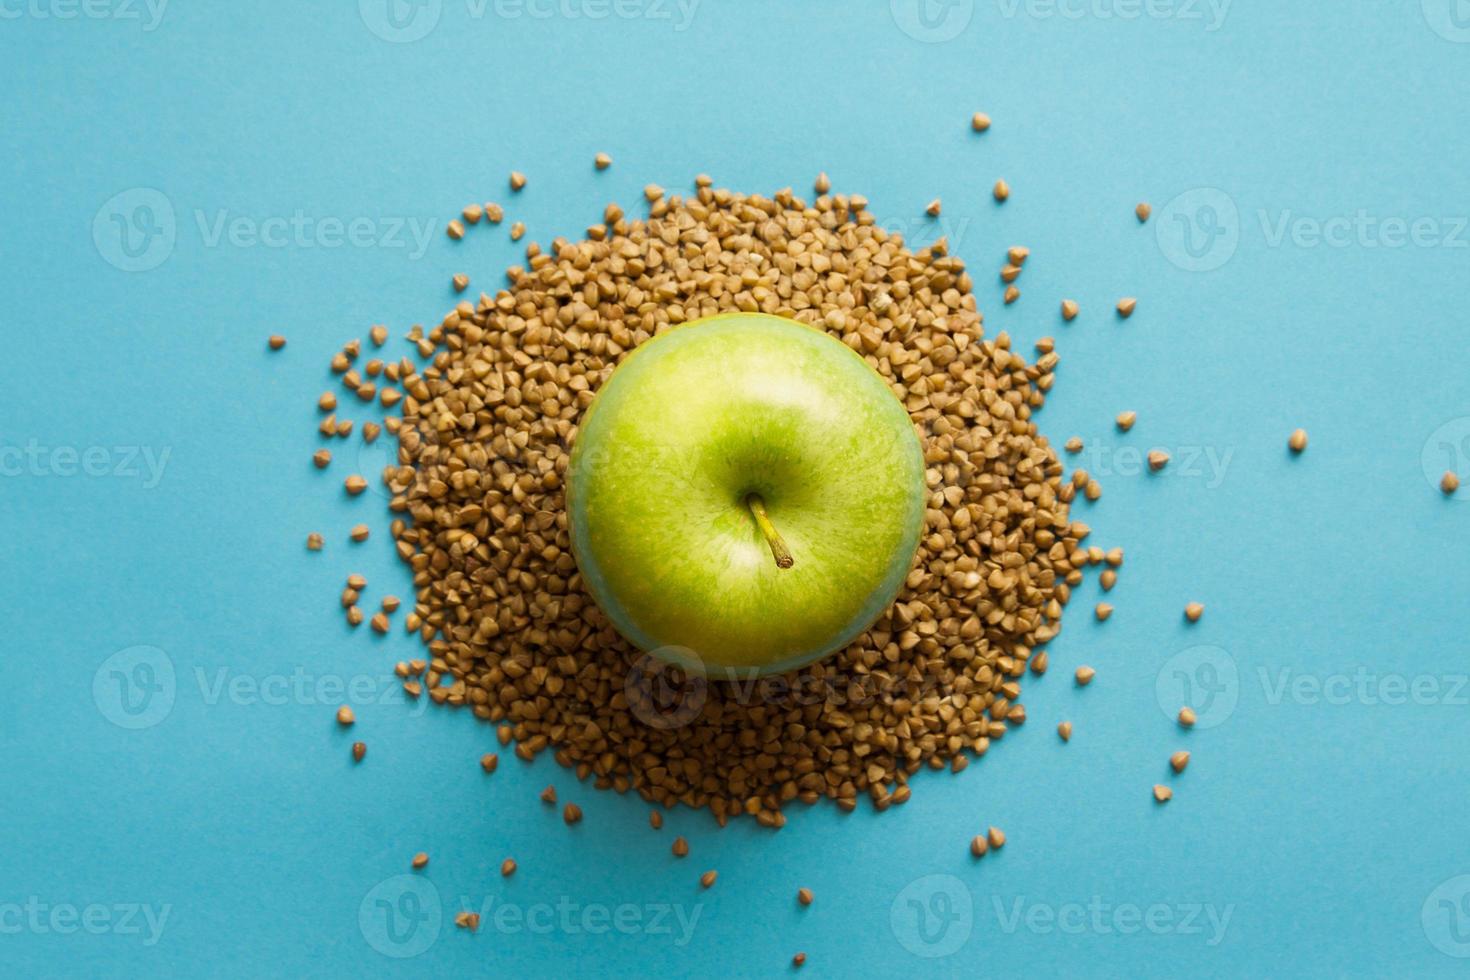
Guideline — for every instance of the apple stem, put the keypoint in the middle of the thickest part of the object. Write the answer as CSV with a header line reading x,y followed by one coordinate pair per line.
x,y
779,551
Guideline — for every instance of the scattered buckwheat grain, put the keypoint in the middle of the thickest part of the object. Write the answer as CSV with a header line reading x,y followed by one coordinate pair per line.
x,y
483,448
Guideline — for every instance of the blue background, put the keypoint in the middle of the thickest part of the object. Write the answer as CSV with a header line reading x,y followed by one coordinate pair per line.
x,y
1330,827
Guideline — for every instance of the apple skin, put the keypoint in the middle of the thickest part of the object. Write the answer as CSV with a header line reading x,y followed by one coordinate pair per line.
x,y
681,434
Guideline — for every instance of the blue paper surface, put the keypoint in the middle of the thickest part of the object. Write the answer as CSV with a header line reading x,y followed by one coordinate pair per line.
x,y
180,181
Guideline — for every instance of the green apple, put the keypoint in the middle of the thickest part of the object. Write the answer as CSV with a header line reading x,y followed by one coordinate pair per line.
x,y
746,495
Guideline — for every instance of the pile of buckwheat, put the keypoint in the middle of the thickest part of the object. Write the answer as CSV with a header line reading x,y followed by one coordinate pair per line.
x,y
483,448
